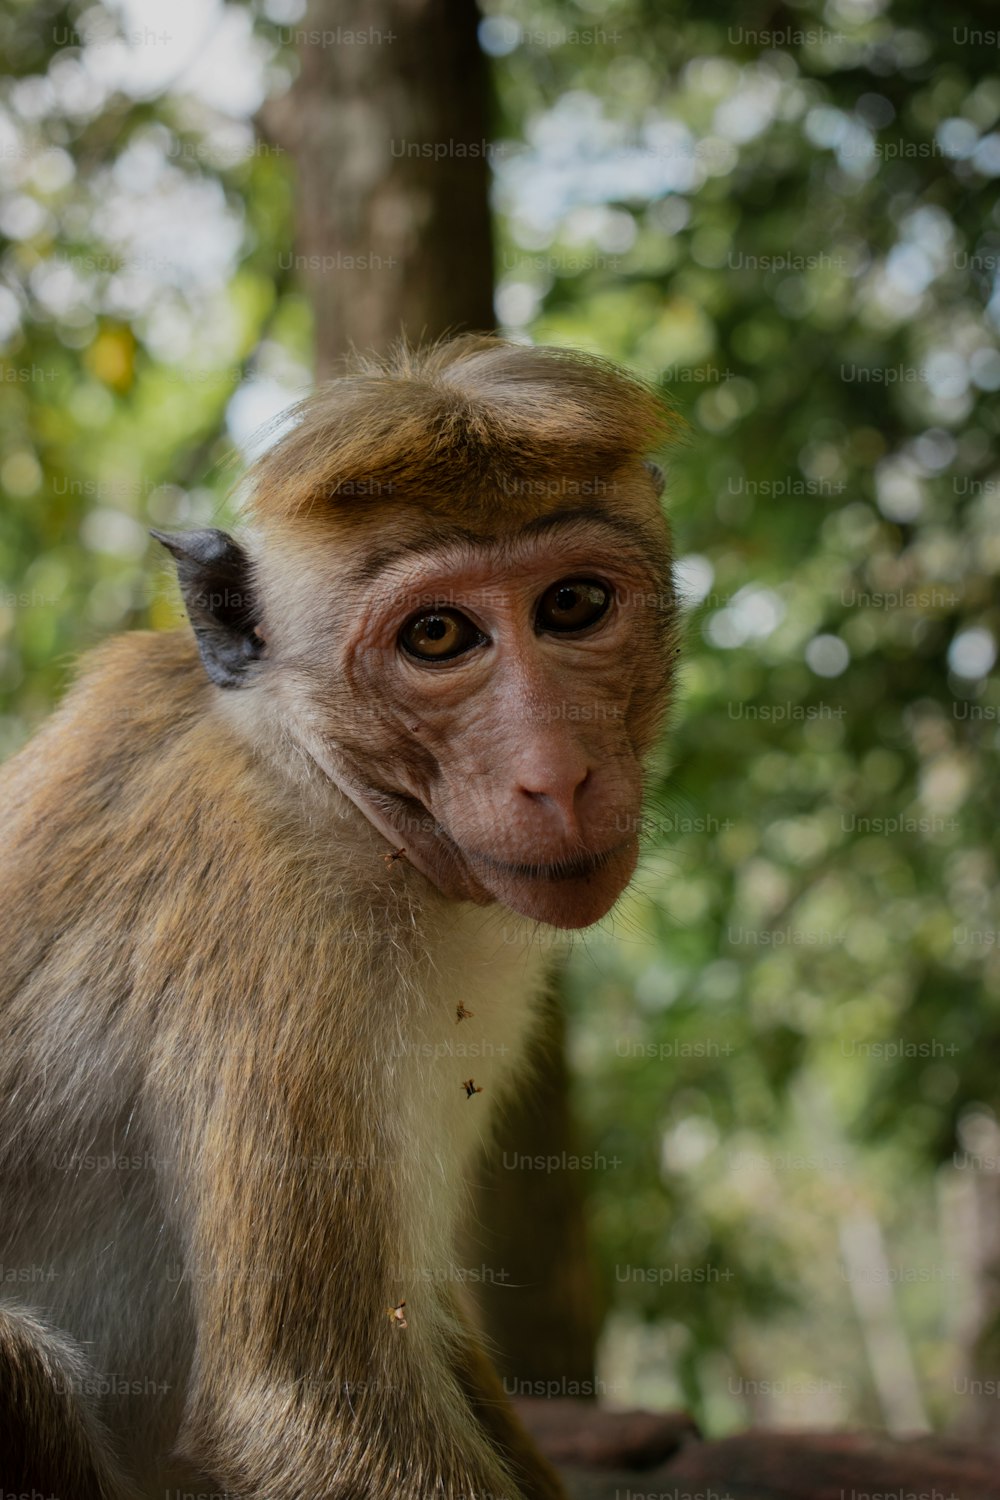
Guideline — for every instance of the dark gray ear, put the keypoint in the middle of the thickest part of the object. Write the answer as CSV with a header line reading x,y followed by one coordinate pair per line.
x,y
657,475
215,578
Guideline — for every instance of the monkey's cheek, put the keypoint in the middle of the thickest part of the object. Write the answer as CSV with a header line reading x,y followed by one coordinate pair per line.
x,y
577,902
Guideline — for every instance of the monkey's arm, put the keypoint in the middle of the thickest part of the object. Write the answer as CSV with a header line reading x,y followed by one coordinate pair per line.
x,y
52,1440
302,1382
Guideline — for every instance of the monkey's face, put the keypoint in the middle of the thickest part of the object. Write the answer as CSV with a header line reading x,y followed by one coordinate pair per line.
x,y
489,705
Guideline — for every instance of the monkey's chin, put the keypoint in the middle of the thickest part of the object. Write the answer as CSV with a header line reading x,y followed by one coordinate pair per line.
x,y
577,898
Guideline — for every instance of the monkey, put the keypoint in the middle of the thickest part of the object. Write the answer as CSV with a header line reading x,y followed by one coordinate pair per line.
x,y
232,1132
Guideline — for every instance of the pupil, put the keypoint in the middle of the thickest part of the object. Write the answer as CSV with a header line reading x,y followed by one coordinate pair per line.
x,y
436,628
566,599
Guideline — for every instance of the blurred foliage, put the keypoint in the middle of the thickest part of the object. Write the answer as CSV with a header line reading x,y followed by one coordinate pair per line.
x,y
140,287
786,1041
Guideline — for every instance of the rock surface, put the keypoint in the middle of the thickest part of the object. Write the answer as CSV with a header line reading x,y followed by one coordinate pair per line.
x,y
638,1455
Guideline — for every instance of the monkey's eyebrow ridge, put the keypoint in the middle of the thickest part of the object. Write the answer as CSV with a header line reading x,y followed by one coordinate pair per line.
x,y
378,561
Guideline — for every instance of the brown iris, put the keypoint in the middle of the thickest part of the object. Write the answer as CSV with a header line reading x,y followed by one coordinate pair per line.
x,y
572,604
439,635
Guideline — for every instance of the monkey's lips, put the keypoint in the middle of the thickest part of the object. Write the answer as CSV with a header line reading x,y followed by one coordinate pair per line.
x,y
569,892
564,893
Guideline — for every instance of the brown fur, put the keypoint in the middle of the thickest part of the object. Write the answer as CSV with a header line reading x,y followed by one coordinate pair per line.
x,y
472,427
232,1136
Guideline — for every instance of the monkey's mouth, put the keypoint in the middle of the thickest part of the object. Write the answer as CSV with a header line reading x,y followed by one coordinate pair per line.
x,y
553,870
418,817
573,891
563,892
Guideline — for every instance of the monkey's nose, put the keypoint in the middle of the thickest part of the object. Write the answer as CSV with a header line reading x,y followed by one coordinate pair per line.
x,y
559,789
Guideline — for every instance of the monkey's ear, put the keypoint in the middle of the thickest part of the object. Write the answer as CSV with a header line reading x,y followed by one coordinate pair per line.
x,y
215,578
657,475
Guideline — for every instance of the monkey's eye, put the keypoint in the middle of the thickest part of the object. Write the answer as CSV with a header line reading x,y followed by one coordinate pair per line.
x,y
440,635
572,604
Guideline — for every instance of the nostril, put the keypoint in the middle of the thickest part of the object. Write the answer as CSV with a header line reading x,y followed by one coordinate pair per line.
x,y
562,794
541,797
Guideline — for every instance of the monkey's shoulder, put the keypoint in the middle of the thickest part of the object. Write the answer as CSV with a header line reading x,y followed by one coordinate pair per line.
x,y
126,731
141,682
140,769
133,685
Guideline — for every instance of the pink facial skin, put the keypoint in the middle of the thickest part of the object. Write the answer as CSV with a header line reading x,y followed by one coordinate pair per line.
x,y
512,771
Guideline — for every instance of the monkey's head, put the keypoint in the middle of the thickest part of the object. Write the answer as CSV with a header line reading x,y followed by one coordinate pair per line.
x,y
456,599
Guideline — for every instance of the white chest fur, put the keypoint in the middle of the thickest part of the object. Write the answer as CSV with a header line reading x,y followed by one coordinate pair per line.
x,y
470,1029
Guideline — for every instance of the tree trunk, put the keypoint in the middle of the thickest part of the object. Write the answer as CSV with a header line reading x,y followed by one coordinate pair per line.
x,y
388,126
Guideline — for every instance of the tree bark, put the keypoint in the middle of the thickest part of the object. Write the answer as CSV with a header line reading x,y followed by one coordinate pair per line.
x,y
388,126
